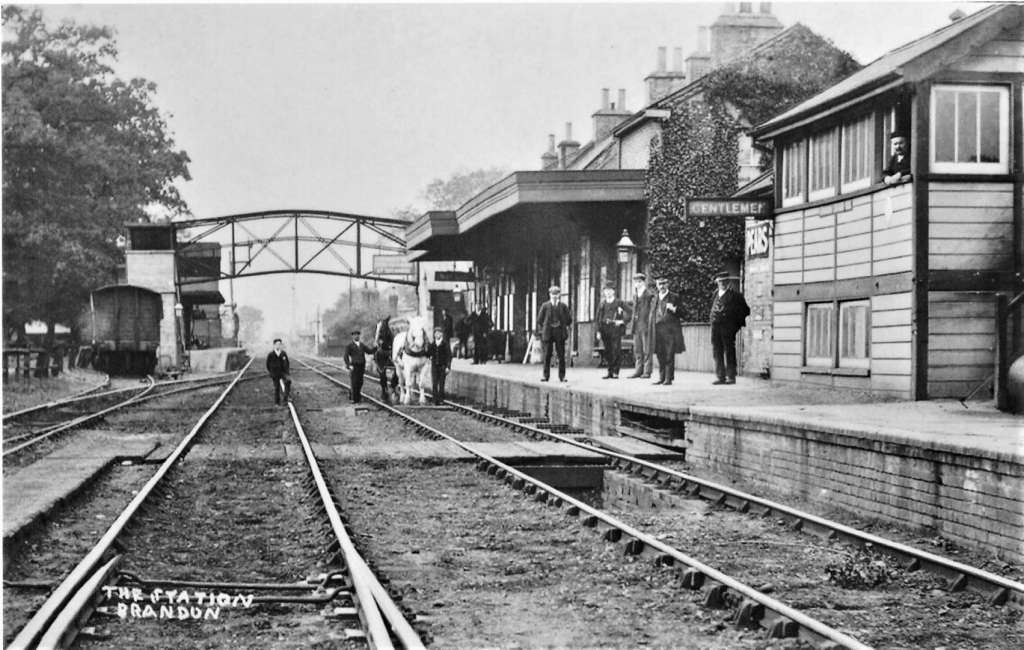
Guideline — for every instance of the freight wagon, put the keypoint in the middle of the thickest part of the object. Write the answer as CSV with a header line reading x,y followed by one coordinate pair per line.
x,y
125,327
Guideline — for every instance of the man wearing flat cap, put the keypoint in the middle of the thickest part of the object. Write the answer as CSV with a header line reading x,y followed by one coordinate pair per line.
x,y
729,313
355,362
611,318
643,298
668,331
898,169
553,323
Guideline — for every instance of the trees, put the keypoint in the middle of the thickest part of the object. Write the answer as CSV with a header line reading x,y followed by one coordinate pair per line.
x,y
696,155
458,188
83,153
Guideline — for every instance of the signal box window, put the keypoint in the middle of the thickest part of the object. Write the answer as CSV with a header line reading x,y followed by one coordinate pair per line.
x,y
970,129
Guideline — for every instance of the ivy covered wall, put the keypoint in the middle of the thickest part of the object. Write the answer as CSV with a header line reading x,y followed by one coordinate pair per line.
x,y
696,154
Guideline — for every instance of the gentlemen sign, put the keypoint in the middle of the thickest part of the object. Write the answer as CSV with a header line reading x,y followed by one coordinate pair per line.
x,y
727,208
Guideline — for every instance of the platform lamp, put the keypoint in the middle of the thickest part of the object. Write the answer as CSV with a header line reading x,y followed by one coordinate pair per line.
x,y
625,248
179,314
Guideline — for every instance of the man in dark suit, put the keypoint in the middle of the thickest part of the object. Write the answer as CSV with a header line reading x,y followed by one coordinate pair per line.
x,y
441,364
447,325
611,318
355,362
279,367
553,323
482,325
668,332
643,298
898,169
729,313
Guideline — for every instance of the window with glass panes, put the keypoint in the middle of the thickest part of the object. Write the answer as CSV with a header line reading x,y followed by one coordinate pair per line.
x,y
794,172
821,165
970,129
858,154
818,334
853,334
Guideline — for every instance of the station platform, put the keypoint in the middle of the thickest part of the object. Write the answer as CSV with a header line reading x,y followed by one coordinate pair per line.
x,y
32,492
941,466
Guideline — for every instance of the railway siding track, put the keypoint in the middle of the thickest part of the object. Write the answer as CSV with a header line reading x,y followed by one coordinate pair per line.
x,y
347,588
997,589
750,611
750,607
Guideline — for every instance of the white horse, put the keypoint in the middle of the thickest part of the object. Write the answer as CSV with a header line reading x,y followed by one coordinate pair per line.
x,y
412,365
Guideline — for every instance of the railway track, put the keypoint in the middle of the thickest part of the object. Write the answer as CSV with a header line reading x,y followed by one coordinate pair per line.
x,y
29,428
7,417
117,591
751,608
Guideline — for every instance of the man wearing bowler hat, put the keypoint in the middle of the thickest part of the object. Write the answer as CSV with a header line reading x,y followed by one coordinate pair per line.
x,y
355,362
611,319
729,313
668,331
553,323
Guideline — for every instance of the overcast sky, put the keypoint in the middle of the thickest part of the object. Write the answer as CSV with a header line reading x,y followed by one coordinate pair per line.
x,y
355,108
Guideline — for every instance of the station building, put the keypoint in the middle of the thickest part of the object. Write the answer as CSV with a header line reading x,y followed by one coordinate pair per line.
x,y
902,289
582,219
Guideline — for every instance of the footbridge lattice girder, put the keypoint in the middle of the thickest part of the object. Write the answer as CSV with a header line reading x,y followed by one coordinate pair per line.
x,y
301,241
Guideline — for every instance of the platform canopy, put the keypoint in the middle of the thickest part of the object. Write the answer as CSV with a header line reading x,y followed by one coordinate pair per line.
x,y
528,211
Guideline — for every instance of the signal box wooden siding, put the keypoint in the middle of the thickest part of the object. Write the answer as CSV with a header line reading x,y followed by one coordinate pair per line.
x,y
893,289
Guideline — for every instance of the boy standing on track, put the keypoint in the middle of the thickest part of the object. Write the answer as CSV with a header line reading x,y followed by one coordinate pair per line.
x,y
279,367
355,362
442,363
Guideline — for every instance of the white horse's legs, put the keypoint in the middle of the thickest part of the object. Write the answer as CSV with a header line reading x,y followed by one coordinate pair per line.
x,y
424,373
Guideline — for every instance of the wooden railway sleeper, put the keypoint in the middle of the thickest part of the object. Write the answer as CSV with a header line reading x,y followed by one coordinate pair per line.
x,y
749,614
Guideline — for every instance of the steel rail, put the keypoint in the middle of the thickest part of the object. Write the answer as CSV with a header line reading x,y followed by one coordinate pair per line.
x,y
758,606
45,433
88,394
63,630
82,394
39,623
369,591
1000,590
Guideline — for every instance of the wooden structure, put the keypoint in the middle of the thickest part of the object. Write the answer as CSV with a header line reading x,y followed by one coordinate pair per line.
x,y
895,288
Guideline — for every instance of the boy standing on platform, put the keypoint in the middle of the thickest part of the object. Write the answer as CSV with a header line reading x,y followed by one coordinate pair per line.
x,y
442,364
355,362
612,315
278,366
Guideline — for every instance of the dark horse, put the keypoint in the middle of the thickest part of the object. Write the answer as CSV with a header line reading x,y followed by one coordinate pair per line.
x,y
384,339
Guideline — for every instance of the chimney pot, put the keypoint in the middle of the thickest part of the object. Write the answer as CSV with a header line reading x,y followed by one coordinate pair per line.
x,y
766,7
568,130
604,99
662,55
622,99
551,142
702,40
677,59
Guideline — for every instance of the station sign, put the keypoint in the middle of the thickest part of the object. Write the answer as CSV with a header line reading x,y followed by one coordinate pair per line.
x,y
728,208
759,239
392,265
454,276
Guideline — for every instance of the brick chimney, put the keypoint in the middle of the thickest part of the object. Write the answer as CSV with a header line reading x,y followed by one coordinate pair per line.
x,y
663,82
549,159
699,62
567,148
609,115
740,29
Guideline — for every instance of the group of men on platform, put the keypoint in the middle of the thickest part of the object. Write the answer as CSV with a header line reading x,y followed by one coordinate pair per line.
x,y
656,329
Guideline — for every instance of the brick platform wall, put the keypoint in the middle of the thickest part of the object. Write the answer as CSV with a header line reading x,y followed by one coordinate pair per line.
x,y
958,494
966,498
